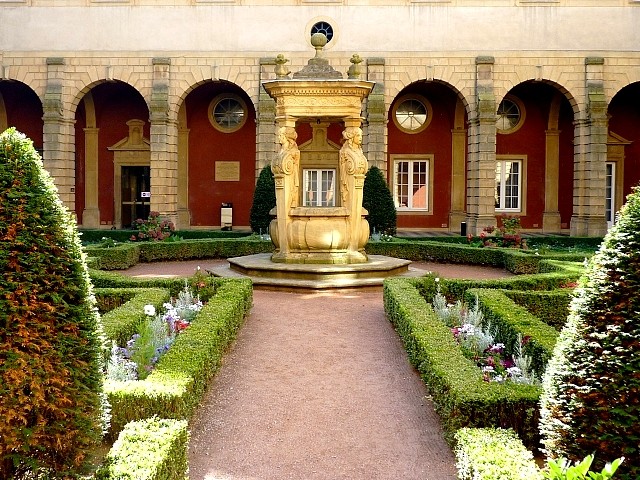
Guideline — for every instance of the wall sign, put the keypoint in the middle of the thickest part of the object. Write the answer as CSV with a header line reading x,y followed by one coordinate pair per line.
x,y
227,171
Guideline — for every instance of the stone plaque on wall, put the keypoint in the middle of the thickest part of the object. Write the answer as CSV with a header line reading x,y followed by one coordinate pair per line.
x,y
227,171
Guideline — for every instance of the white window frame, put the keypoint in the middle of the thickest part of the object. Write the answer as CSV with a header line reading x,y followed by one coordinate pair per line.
x,y
427,199
610,194
327,197
501,162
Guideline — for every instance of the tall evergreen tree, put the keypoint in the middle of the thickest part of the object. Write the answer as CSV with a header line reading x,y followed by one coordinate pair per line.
x,y
264,199
50,349
377,199
591,398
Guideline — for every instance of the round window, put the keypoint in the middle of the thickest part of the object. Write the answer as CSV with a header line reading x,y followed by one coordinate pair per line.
x,y
411,114
227,113
510,115
323,27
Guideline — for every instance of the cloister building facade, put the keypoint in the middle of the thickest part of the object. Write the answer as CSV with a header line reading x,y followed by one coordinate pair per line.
x,y
527,108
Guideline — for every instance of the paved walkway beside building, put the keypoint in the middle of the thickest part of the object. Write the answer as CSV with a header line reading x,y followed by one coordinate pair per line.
x,y
317,386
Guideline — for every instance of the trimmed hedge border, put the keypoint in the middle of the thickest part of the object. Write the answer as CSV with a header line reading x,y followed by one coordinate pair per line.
x,y
150,449
121,323
551,307
493,454
126,255
461,397
175,387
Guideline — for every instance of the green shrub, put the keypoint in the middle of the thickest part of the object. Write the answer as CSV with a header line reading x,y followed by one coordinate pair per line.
x,y
153,228
264,199
493,454
50,362
551,307
378,201
591,400
151,449
119,257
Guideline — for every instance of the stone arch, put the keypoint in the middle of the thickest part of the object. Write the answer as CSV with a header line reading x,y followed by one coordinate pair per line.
x,y
439,146
543,146
79,94
21,107
623,143
394,89
97,176
571,98
214,163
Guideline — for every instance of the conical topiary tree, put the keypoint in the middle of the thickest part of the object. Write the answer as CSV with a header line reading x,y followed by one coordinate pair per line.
x,y
50,348
264,199
591,398
378,201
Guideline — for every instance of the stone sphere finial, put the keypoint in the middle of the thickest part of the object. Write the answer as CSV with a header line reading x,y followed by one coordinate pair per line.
x,y
319,40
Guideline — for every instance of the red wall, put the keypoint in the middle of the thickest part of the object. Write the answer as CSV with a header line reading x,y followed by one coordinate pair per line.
x,y
625,121
24,110
208,145
436,139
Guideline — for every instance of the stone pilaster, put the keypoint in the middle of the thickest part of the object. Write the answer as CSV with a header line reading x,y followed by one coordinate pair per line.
x,y
164,145
58,134
266,141
551,214
590,156
482,151
91,212
376,129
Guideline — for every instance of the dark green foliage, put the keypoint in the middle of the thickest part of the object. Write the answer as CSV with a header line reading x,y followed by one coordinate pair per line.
x,y
264,199
591,400
551,307
378,201
50,371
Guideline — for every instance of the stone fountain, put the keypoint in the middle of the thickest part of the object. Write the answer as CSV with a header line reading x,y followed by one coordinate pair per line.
x,y
320,229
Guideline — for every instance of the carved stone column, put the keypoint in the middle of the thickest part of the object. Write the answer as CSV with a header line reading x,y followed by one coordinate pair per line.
x,y
590,156
58,134
482,151
164,145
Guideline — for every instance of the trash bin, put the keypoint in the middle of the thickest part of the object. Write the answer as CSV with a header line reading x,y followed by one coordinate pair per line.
x,y
463,229
226,216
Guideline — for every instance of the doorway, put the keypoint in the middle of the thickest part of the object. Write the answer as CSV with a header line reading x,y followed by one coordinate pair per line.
x,y
135,194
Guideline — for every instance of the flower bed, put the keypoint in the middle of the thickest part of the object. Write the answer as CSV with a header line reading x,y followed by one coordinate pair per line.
x,y
482,342
461,396
175,386
154,337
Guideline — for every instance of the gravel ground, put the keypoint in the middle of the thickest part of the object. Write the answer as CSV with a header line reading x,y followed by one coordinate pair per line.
x,y
317,386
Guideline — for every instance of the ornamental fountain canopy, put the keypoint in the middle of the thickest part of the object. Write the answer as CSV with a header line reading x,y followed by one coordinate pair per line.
x,y
320,228
319,213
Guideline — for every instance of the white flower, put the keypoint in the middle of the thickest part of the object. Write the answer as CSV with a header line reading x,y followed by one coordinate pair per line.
x,y
487,368
514,371
149,310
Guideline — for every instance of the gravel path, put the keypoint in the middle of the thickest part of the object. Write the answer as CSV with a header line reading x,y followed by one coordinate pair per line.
x,y
317,386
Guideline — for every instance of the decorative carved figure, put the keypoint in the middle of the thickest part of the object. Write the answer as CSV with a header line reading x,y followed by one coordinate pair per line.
x,y
354,70
352,160
281,70
288,161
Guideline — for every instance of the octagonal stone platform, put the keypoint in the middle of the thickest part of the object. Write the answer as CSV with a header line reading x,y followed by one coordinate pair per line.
x,y
265,273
